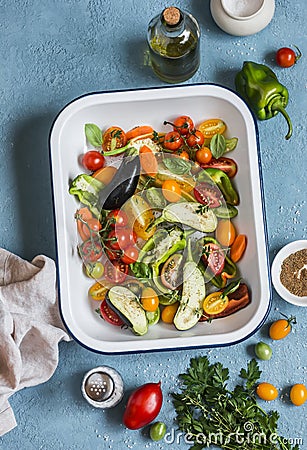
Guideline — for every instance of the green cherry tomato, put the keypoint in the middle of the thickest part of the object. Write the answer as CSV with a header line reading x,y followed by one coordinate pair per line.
x,y
263,351
157,431
94,270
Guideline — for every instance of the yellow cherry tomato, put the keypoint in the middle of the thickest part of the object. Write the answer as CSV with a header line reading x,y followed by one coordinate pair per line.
x,y
169,312
281,328
266,391
149,299
171,191
98,291
215,303
225,232
211,127
105,175
140,216
298,394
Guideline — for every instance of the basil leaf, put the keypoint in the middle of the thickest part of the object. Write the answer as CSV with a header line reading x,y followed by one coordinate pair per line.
x,y
140,270
177,166
218,145
93,134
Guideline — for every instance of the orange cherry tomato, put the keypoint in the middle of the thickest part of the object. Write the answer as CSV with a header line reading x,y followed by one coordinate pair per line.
x,y
184,155
225,232
266,391
149,299
211,127
215,303
238,247
169,312
171,191
85,214
203,155
98,291
113,137
105,175
298,394
281,328
91,227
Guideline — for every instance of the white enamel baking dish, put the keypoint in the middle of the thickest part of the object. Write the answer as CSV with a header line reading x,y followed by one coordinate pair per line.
x,y
152,106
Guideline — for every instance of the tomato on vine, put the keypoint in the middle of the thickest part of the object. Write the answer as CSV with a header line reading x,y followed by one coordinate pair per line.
x,y
184,125
173,141
195,139
286,57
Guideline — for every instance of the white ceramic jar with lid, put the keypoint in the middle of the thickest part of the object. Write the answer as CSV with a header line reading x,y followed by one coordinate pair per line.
x,y
242,17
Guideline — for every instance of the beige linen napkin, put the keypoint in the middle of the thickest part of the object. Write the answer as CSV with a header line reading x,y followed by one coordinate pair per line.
x,y
30,327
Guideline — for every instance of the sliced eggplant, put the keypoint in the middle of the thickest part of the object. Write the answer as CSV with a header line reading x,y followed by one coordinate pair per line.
x,y
125,303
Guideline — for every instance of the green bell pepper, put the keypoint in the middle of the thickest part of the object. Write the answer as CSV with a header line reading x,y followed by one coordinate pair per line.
x,y
222,180
260,88
87,189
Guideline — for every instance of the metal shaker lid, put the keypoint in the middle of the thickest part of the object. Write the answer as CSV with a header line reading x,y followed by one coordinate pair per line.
x,y
102,387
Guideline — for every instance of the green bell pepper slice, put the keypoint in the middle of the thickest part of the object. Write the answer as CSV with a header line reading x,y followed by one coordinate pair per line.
x,y
87,189
222,181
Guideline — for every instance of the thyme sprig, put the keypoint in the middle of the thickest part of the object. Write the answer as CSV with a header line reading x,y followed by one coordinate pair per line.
x,y
211,414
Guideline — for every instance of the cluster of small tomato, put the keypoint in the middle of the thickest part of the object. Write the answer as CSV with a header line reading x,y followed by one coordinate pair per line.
x,y
267,391
188,141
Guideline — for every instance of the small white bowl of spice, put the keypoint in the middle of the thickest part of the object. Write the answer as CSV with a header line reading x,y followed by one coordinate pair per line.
x,y
289,273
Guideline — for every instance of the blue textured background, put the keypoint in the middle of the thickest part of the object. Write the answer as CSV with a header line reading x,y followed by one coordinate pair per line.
x,y
53,51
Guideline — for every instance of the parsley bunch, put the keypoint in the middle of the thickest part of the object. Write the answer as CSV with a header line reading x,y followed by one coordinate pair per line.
x,y
210,414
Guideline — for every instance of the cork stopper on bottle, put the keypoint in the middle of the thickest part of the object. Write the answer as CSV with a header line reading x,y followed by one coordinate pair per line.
x,y
172,16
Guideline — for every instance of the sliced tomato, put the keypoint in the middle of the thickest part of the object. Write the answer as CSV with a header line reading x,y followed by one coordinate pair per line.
x,y
227,165
214,257
90,250
208,194
109,315
116,272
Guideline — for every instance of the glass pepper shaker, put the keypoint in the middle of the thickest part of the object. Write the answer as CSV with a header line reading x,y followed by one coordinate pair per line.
x,y
173,39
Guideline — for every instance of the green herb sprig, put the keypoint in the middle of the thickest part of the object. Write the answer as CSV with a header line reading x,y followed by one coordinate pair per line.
x,y
211,414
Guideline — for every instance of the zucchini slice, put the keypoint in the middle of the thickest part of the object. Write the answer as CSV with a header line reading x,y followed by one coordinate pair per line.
x,y
193,294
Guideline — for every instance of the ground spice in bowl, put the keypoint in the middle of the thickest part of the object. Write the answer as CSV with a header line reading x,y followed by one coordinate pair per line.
x,y
293,273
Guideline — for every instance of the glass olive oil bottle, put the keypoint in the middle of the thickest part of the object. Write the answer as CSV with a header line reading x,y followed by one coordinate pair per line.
x,y
173,40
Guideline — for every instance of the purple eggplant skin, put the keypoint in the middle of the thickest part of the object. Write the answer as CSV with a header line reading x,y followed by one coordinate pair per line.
x,y
120,315
122,186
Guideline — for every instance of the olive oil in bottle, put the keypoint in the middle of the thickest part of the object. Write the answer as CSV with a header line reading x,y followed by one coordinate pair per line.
x,y
173,40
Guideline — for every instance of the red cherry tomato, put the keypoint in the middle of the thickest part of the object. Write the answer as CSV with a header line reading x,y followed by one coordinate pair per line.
x,y
143,406
90,250
113,254
109,315
214,257
184,125
195,139
208,194
130,255
123,238
118,218
286,57
172,140
93,160
116,271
